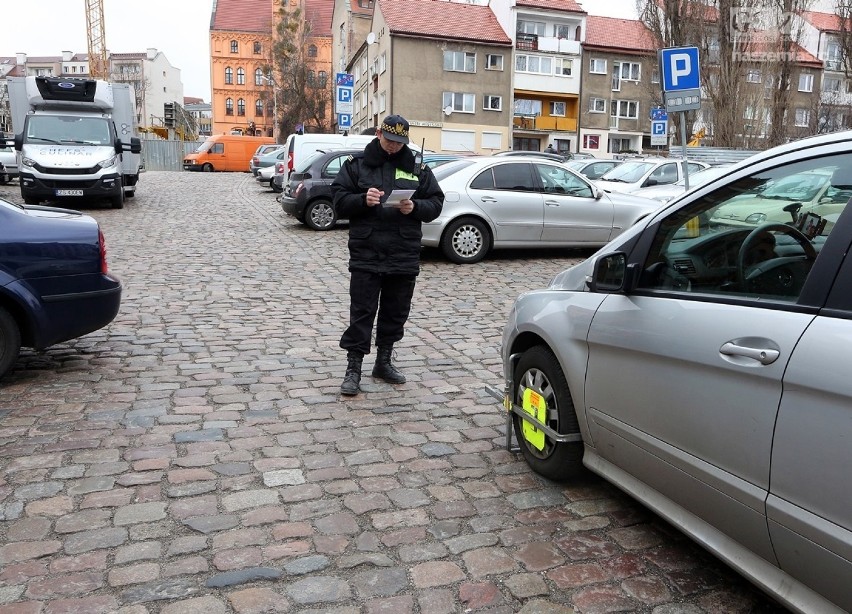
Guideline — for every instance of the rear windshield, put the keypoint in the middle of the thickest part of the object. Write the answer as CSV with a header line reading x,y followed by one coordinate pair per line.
x,y
306,163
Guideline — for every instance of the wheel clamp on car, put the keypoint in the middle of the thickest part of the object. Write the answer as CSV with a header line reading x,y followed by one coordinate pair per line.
x,y
537,428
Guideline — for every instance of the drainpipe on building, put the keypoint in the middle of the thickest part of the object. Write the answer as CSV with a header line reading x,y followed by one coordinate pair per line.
x,y
580,101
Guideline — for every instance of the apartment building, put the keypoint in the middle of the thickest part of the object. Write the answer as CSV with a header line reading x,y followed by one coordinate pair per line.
x,y
822,37
620,83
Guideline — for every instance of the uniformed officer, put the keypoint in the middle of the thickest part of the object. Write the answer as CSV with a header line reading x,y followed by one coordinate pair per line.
x,y
384,244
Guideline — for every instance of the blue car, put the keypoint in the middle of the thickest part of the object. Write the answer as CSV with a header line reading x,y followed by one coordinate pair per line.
x,y
54,283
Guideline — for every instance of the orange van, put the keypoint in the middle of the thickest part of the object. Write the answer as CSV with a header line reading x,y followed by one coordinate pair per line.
x,y
225,152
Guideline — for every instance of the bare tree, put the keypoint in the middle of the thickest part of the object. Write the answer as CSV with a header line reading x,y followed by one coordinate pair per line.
x,y
303,97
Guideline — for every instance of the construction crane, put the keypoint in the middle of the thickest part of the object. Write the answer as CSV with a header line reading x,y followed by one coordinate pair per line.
x,y
98,65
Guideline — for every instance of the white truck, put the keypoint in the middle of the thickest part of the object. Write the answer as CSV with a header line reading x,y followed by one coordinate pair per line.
x,y
75,138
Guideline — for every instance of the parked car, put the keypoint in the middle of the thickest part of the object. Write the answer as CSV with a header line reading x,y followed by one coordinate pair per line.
x,y
9,163
631,175
307,196
54,282
265,165
581,155
434,160
254,163
496,202
702,366
593,169
665,193
558,157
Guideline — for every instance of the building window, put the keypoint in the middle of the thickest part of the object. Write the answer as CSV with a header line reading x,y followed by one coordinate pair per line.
x,y
460,61
536,64
627,109
527,107
597,105
597,66
365,4
383,63
591,141
241,106
258,77
382,102
749,113
235,47
229,106
257,47
229,76
563,67
241,76
258,108
312,51
531,27
493,62
806,82
322,79
492,103
459,102
655,75
831,84
557,109
803,118
312,78
628,71
563,31
753,75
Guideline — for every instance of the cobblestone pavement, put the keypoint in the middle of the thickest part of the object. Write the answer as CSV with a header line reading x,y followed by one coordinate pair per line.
x,y
195,456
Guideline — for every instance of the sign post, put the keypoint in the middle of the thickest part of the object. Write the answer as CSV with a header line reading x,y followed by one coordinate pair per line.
x,y
681,83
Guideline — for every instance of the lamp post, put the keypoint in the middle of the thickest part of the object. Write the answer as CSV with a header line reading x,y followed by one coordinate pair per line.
x,y
274,86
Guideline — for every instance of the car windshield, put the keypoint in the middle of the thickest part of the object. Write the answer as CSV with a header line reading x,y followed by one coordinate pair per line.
x,y
800,187
577,164
445,170
68,129
704,176
628,172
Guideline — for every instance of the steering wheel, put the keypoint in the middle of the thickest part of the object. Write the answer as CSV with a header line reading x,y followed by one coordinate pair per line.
x,y
754,235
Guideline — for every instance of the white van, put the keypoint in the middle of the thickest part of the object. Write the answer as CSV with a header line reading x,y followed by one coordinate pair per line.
x,y
300,146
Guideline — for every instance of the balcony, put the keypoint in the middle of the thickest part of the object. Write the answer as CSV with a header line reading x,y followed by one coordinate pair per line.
x,y
545,124
526,42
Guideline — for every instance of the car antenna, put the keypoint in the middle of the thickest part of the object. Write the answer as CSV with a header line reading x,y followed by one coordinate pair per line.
x,y
422,149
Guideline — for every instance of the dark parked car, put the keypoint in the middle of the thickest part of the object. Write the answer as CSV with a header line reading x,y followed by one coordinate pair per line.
x,y
307,196
54,283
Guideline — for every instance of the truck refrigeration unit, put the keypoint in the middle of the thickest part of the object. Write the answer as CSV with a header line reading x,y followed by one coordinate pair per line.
x,y
75,138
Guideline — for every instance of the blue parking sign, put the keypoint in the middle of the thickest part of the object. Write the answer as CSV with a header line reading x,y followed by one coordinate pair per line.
x,y
344,120
679,69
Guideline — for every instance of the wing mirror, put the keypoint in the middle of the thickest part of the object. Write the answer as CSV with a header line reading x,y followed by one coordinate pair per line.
x,y
612,274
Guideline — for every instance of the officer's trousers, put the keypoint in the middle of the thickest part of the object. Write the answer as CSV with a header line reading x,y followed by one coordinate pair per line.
x,y
371,293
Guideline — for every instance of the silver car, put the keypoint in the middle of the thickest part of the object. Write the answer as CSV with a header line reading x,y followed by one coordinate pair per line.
x,y
521,202
702,365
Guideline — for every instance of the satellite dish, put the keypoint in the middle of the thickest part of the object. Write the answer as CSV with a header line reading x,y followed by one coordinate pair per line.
x,y
448,110
371,38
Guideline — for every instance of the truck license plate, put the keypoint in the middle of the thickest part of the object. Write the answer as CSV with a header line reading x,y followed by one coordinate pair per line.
x,y
69,192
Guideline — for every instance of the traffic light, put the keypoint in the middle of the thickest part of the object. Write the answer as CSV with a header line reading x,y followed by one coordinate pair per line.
x,y
169,114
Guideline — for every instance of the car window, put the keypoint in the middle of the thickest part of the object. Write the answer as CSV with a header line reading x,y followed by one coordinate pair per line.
x,y
333,166
757,237
445,170
306,163
665,174
694,167
557,180
514,176
628,172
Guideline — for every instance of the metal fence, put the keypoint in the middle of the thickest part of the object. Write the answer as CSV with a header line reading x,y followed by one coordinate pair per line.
x,y
160,155
713,155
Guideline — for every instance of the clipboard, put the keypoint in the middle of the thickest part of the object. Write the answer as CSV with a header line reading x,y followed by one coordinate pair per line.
x,y
396,197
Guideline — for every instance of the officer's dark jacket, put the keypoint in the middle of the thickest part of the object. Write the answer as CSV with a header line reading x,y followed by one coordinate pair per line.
x,y
381,239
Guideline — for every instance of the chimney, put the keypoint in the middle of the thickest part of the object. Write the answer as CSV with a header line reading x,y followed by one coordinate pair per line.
x,y
22,58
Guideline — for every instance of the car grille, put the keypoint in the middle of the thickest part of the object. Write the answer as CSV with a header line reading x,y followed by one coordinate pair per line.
x,y
67,171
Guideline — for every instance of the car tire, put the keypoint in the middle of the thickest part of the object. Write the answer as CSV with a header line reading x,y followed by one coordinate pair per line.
x,y
5,178
320,215
539,370
466,241
117,201
274,187
10,341
207,168
30,200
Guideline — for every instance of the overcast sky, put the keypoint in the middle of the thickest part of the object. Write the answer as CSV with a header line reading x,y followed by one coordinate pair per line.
x,y
178,28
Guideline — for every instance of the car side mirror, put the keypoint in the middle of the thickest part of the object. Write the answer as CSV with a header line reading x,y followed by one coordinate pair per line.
x,y
19,141
649,182
612,274
598,193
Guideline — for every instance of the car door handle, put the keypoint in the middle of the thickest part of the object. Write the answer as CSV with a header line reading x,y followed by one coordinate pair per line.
x,y
551,203
488,199
765,356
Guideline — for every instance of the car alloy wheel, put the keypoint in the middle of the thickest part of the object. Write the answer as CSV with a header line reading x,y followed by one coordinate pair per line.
x,y
320,215
539,371
10,341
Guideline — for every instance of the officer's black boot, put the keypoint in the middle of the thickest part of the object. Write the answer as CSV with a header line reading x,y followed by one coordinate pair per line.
x,y
352,379
384,368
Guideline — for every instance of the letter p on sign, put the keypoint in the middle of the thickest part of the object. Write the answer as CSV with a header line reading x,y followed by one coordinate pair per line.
x,y
681,65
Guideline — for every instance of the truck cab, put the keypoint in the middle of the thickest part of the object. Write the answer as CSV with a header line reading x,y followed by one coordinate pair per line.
x,y
75,139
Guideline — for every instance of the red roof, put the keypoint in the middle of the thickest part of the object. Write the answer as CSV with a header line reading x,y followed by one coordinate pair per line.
x,y
444,20
825,22
318,14
618,34
568,6
243,16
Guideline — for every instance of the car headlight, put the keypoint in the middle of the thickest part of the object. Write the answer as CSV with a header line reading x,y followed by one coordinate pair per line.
x,y
28,162
756,218
108,162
